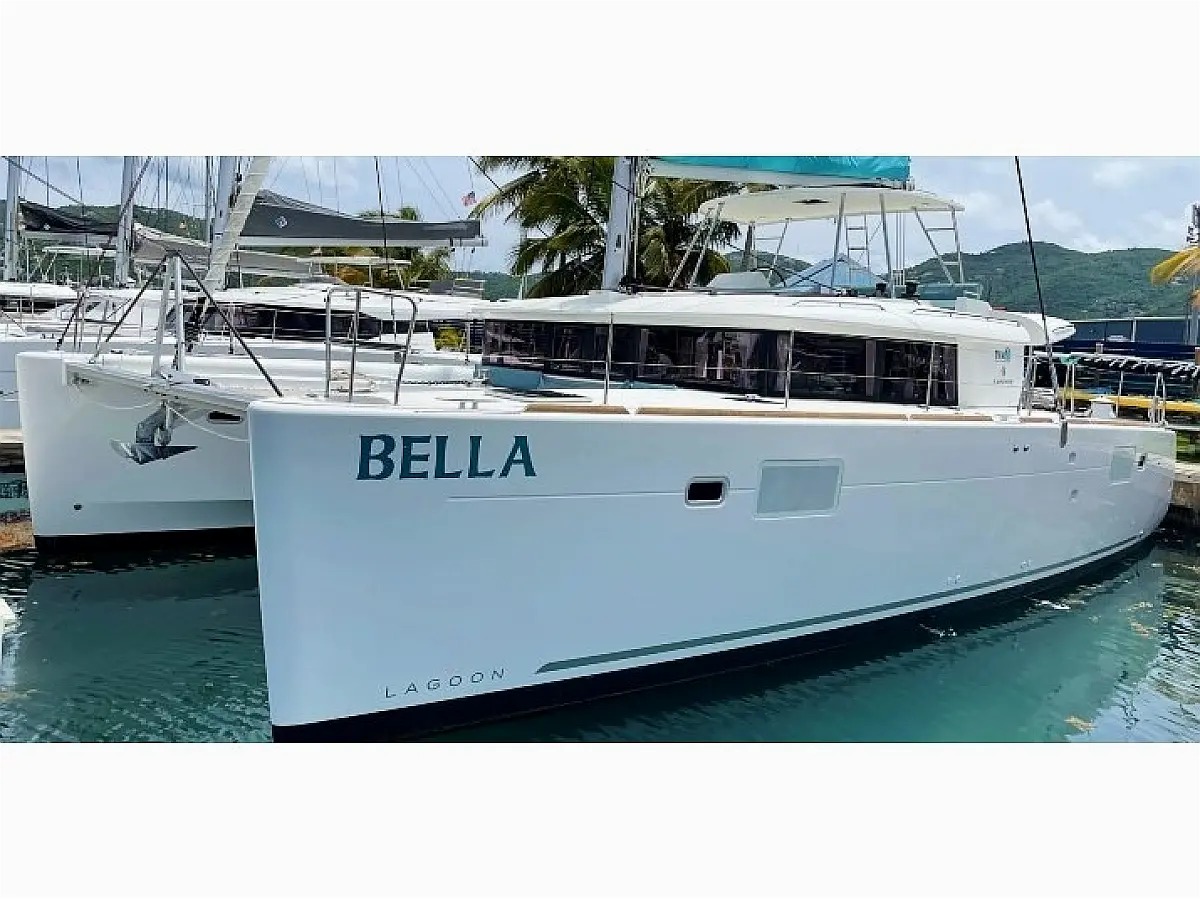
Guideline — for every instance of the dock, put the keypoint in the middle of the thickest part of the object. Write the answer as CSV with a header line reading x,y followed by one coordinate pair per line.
x,y
1185,498
12,450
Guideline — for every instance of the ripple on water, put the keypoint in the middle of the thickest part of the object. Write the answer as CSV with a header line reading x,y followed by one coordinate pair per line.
x,y
167,647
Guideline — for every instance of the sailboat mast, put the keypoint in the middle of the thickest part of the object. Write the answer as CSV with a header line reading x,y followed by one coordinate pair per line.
x,y
232,213
125,225
226,170
12,206
616,249
208,191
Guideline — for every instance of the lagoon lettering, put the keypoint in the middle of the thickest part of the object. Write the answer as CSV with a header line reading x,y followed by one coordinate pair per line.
x,y
375,462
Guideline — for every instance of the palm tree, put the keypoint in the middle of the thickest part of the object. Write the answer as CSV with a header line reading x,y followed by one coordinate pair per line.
x,y
1179,265
566,198
423,265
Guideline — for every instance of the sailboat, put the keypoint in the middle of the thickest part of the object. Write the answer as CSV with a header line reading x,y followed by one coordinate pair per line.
x,y
675,482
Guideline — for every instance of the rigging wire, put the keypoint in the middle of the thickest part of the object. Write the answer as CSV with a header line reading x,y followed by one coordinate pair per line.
x,y
1038,285
77,310
442,190
337,197
399,183
12,160
382,215
424,183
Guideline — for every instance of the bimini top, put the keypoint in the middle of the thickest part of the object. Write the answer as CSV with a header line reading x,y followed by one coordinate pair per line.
x,y
798,204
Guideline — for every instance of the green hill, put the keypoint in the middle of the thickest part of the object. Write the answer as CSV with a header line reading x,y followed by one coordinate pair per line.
x,y
1075,285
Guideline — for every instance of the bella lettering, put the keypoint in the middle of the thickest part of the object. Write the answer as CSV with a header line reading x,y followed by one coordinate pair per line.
x,y
377,458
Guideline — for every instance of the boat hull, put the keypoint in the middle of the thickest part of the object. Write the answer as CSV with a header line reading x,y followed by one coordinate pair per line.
x,y
96,475
577,567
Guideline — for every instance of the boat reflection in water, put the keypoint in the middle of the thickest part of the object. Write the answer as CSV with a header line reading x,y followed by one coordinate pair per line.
x,y
1062,665
169,647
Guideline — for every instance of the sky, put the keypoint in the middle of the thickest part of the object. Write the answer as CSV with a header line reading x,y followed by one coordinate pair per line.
x,y
1084,203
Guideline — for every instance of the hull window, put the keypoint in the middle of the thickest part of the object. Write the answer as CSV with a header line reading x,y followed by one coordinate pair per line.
x,y
1120,469
799,488
708,492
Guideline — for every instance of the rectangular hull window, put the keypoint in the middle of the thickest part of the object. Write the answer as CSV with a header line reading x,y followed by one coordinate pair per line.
x,y
1120,469
799,488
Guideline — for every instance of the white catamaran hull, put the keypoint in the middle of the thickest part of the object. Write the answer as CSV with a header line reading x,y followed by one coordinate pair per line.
x,y
11,347
550,556
90,476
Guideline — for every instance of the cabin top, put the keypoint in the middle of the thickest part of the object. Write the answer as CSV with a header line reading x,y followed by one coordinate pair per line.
x,y
898,319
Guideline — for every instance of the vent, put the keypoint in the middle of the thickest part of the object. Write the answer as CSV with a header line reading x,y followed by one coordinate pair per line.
x,y
799,488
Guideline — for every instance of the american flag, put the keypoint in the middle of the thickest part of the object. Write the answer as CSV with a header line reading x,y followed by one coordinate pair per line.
x,y
469,199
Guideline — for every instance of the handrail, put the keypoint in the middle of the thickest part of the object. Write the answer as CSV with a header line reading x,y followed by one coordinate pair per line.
x,y
358,293
1158,405
102,344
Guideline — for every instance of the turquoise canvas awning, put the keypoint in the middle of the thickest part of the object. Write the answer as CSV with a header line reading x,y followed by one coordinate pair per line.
x,y
894,170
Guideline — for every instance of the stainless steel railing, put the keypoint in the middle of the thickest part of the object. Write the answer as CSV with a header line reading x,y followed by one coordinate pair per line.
x,y
357,293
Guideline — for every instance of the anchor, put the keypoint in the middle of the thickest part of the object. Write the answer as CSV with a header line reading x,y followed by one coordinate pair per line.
x,y
152,438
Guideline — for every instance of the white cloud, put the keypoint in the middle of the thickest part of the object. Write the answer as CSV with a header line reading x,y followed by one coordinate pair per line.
x,y
1155,229
1062,226
1125,171
988,208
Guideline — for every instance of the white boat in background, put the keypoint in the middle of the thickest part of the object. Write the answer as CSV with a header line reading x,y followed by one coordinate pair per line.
x,y
278,322
167,379
666,483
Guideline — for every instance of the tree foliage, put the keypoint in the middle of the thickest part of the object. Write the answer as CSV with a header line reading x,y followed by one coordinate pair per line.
x,y
562,203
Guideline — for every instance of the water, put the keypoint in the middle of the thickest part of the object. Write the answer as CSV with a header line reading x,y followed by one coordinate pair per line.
x,y
168,647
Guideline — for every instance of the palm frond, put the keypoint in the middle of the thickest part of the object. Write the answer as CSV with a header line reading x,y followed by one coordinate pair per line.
x,y
1177,265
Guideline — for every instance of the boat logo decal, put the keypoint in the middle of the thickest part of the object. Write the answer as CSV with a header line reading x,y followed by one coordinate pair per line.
x,y
281,222
377,463
152,438
433,684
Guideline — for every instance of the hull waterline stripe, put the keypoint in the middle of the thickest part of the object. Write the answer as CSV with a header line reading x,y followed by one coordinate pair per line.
x,y
658,649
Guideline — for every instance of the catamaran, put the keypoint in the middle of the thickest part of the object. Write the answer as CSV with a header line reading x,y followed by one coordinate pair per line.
x,y
126,395
680,481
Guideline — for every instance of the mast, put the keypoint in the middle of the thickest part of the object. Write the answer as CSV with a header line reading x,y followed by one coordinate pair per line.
x,y
125,225
232,213
226,170
12,212
208,191
616,249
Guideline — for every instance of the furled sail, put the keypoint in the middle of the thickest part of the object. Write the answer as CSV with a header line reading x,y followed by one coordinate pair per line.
x,y
893,171
279,221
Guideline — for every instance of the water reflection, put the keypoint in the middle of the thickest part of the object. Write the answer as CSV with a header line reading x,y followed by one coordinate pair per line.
x,y
141,647
168,647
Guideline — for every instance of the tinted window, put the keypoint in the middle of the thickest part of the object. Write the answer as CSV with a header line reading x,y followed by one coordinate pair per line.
x,y
823,366
1162,330
1093,331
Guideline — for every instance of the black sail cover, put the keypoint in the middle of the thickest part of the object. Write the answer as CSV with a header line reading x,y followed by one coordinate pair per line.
x,y
52,222
279,221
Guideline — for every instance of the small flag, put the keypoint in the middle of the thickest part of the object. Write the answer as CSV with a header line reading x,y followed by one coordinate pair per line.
x,y
469,199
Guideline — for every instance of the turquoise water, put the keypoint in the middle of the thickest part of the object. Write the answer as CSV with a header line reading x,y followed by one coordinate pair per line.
x,y
168,647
